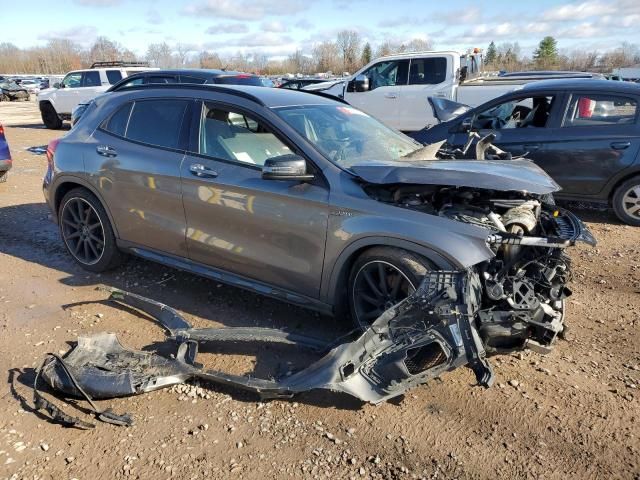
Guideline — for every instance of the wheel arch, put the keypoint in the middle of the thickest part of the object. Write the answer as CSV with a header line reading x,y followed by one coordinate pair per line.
x,y
65,185
334,292
620,181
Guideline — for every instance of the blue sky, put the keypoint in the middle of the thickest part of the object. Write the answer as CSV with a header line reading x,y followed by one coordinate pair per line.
x,y
278,27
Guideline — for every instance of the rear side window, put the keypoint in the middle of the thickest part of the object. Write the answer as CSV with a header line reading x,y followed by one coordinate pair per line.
x,y
156,122
239,80
194,80
591,110
117,123
91,79
113,76
428,71
161,79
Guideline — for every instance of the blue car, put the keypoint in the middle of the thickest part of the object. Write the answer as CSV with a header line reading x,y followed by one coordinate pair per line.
x,y
5,156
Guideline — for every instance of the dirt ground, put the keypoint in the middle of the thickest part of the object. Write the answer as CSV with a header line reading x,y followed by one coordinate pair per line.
x,y
574,413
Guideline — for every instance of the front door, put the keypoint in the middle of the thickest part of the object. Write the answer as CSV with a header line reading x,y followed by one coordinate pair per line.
x,y
387,79
135,165
265,230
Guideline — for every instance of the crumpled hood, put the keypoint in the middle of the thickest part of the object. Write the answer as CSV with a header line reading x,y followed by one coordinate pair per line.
x,y
505,175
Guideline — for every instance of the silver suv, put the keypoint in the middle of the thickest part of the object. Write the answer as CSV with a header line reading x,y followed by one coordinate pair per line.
x,y
309,200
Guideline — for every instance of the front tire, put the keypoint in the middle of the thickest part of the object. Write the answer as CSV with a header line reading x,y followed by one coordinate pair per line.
x,y
50,116
380,278
86,231
626,202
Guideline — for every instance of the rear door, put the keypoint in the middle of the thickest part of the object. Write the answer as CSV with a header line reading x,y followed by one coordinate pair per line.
x,y
265,230
135,164
597,138
387,78
428,77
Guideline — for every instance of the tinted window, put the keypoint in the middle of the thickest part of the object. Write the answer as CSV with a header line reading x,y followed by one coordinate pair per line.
x,y
161,79
528,112
427,71
117,123
91,79
587,109
132,82
72,80
236,137
156,122
189,79
114,76
388,74
239,80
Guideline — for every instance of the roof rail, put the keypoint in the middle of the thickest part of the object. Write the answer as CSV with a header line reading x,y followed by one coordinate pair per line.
x,y
118,63
193,86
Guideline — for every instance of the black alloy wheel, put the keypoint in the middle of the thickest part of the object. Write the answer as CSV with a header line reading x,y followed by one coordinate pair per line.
x,y
82,231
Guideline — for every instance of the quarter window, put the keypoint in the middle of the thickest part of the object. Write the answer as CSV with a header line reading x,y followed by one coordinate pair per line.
x,y
428,71
236,137
587,110
91,79
117,123
113,76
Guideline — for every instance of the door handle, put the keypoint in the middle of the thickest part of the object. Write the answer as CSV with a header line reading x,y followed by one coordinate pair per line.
x,y
106,151
391,95
620,145
200,170
532,147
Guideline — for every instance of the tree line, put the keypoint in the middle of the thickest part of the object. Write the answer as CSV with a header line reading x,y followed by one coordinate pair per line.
x,y
346,53
547,56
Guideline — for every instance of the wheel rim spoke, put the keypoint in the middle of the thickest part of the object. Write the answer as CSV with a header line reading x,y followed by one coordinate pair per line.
x,y
82,231
382,279
633,210
372,284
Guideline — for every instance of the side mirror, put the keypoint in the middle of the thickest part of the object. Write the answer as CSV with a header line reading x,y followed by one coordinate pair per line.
x,y
58,85
286,167
361,83
466,124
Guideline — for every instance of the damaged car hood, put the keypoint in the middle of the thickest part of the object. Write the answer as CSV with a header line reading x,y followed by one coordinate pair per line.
x,y
505,175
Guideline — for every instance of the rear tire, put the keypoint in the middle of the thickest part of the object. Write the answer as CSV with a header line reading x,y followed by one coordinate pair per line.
x,y
3,176
86,231
50,116
380,278
626,202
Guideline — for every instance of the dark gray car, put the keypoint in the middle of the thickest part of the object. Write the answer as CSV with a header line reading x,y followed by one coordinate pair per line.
x,y
306,199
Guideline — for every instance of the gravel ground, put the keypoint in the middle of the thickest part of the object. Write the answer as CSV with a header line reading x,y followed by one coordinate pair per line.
x,y
571,414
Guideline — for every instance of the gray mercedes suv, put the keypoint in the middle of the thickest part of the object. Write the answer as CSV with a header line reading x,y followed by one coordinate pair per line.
x,y
309,200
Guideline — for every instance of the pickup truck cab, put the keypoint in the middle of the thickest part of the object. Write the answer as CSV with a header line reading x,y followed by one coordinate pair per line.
x,y
81,86
395,89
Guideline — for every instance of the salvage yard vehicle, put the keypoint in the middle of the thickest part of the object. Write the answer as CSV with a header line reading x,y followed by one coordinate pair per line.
x,y
197,76
395,89
5,156
80,86
10,91
584,133
309,200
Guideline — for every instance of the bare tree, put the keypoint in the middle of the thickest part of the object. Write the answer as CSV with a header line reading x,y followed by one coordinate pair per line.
x,y
160,55
349,44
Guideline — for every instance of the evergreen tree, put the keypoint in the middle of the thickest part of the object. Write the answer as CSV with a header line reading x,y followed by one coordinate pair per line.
x,y
491,55
366,54
546,55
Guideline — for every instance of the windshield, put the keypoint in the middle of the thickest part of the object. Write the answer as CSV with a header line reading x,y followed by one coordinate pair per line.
x,y
347,136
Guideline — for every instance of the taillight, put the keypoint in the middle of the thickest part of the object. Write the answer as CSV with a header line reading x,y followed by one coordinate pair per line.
x,y
51,150
1,129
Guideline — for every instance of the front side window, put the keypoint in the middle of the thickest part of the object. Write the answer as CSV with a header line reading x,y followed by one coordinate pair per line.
x,y
156,122
347,136
590,110
428,71
388,74
236,137
73,80
91,79
528,112
114,76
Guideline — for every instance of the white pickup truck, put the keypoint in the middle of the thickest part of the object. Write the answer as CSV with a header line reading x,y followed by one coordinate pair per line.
x,y
81,86
395,89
